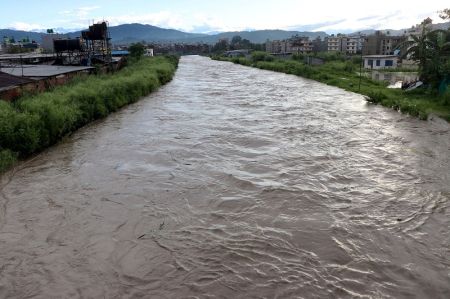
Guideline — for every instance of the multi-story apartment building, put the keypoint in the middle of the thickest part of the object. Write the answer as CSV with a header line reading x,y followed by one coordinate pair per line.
x,y
301,44
293,45
345,44
381,44
279,46
335,43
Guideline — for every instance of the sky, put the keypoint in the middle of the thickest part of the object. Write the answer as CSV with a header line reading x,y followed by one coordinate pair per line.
x,y
206,16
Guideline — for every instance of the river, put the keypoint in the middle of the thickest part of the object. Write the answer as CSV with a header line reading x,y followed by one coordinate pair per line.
x,y
233,182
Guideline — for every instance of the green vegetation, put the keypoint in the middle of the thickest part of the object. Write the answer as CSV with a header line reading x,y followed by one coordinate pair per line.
x,y
137,51
338,71
431,49
37,121
237,43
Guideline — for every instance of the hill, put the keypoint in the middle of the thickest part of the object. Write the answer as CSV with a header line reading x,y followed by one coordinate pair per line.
x,y
131,33
19,35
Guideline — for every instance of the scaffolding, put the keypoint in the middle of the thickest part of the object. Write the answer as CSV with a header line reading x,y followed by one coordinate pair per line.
x,y
94,46
97,42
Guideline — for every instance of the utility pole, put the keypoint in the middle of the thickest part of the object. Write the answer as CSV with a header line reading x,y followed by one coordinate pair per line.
x,y
21,64
360,72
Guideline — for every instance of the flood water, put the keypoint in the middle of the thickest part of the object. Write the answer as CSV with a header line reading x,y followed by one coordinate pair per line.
x,y
232,182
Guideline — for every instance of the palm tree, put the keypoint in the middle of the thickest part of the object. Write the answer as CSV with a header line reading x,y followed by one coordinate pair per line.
x,y
431,49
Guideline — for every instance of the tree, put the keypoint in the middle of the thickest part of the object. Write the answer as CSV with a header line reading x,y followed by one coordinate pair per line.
x,y
137,50
445,14
220,46
431,49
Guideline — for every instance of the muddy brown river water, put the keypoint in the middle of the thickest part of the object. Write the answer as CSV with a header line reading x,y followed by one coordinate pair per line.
x,y
232,182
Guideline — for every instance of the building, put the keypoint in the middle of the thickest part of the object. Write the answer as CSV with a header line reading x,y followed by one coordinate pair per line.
x,y
301,44
279,47
382,44
319,45
296,44
354,43
351,44
336,43
11,87
376,62
18,79
47,41
149,52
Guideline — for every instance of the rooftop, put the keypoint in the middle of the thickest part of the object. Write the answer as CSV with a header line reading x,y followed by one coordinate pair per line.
x,y
380,56
39,71
24,56
7,81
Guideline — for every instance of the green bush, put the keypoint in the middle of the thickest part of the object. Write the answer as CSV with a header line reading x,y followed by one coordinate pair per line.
x,y
261,56
349,67
376,97
7,159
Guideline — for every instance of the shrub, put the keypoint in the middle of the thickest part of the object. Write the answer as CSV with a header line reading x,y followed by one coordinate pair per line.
x,y
7,159
261,56
376,97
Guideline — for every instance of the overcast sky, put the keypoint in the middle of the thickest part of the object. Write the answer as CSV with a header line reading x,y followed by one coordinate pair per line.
x,y
223,15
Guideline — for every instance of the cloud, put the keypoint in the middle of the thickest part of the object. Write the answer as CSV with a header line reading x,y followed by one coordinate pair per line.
x,y
26,26
80,12
162,19
199,23
394,20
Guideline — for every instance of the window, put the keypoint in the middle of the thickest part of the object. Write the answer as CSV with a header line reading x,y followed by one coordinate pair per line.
x,y
378,62
370,63
389,63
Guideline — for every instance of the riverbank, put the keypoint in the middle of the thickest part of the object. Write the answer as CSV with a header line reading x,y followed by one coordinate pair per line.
x,y
345,75
36,122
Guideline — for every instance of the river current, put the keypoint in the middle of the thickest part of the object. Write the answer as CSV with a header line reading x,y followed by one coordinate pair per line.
x,y
233,182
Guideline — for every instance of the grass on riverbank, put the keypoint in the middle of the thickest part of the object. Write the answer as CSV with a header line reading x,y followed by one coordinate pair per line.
x,y
345,74
35,122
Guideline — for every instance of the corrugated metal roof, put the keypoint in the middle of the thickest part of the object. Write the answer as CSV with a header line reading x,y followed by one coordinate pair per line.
x,y
7,80
39,71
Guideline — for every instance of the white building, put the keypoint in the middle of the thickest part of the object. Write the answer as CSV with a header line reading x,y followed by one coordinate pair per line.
x,y
377,62
149,52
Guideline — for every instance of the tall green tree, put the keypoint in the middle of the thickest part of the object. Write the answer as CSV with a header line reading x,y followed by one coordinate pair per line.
x,y
431,50
136,50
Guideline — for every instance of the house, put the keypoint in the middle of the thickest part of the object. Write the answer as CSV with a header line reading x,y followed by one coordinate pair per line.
x,y
376,62
11,87
17,79
149,52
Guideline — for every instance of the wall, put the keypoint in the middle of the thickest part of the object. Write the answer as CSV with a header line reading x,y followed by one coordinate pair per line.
x,y
382,63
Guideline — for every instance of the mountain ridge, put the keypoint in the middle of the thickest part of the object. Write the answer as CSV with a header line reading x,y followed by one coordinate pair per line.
x,y
135,32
